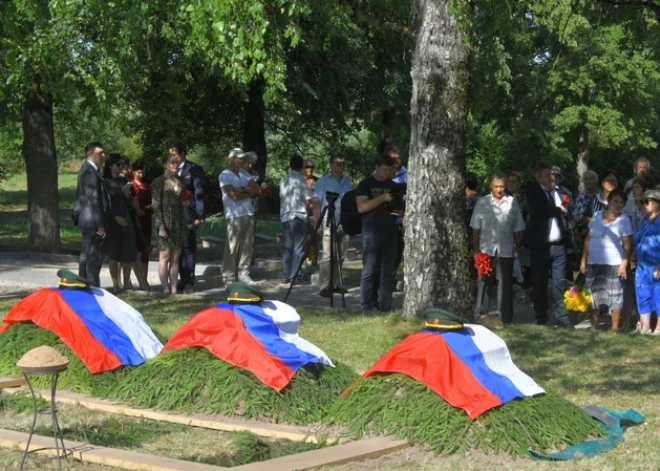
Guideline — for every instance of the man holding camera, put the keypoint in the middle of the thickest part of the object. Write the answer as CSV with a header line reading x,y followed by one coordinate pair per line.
x,y
333,182
380,210
238,189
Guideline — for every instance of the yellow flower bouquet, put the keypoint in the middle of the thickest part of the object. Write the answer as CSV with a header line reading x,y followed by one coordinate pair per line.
x,y
577,299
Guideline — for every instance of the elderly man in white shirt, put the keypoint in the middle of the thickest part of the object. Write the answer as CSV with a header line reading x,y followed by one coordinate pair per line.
x,y
335,182
497,227
294,198
238,188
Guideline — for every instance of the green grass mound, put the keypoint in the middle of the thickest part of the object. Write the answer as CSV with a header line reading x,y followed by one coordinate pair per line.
x,y
20,338
193,380
189,380
400,406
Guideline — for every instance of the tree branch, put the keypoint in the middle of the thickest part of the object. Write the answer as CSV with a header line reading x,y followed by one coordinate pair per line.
x,y
650,4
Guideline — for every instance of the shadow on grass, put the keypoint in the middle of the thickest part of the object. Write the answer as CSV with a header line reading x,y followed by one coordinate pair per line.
x,y
576,360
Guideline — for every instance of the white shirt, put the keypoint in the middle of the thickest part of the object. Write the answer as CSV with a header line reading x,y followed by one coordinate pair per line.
x,y
555,231
606,243
179,169
496,224
236,208
93,165
294,193
329,183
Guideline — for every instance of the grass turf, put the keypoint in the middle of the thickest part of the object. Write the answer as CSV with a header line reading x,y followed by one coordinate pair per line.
x,y
189,380
398,405
226,449
586,368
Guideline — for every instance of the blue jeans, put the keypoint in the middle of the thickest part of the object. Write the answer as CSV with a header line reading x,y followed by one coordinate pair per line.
x,y
295,233
378,262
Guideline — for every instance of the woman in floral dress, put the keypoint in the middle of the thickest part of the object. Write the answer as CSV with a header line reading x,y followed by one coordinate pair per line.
x,y
168,197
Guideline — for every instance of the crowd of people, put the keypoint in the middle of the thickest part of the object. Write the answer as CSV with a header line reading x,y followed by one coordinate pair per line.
x,y
530,236
610,235
117,208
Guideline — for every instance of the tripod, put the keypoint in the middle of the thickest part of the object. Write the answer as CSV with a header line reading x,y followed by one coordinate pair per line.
x,y
334,251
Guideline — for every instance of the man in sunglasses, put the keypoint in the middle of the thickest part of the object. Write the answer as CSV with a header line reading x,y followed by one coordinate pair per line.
x,y
334,182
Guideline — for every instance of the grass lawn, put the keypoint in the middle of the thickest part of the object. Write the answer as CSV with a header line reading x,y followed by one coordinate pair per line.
x,y
615,371
13,216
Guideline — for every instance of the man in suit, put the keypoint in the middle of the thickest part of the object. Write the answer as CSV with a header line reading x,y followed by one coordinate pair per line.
x,y
547,237
90,213
195,182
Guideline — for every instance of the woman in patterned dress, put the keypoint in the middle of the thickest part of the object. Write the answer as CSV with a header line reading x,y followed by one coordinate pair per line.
x,y
605,259
168,198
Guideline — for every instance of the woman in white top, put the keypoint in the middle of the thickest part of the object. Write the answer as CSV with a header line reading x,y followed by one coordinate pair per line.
x,y
605,258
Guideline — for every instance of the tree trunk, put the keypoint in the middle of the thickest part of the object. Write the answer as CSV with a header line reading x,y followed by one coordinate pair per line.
x,y
41,168
436,261
254,126
386,140
583,155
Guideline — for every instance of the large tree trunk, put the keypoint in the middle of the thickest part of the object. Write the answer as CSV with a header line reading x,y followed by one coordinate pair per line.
x,y
41,167
436,261
583,155
254,126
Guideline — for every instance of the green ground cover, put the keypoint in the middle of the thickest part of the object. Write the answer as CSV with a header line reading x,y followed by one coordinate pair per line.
x,y
147,436
596,369
13,216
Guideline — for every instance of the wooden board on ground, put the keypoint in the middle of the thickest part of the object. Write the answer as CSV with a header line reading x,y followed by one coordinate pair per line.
x,y
106,456
12,383
331,456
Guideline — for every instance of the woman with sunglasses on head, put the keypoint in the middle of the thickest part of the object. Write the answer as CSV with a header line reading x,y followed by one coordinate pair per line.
x,y
647,276
120,245
167,202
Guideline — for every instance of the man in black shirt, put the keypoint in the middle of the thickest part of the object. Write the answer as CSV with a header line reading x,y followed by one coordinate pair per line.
x,y
379,236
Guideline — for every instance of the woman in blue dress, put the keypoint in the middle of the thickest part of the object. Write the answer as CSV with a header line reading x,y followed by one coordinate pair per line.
x,y
647,277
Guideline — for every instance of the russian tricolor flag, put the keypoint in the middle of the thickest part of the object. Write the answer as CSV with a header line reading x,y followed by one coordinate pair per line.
x,y
470,368
101,329
261,338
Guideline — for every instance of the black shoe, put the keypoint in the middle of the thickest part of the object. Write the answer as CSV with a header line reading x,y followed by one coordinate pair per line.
x,y
339,290
325,293
540,322
286,281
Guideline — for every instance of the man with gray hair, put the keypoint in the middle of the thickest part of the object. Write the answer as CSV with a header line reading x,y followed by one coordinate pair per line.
x,y
642,165
583,200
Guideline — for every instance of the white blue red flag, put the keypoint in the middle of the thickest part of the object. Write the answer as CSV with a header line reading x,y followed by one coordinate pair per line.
x,y
261,338
470,368
101,329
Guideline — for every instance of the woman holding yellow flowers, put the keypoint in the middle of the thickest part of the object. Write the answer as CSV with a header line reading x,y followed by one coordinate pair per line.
x,y
607,251
647,277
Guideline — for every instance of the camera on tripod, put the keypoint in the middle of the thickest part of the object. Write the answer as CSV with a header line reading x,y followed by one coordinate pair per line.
x,y
331,196
398,202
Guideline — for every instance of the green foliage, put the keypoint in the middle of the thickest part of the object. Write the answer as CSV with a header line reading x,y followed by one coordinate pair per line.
x,y
214,386
167,382
395,404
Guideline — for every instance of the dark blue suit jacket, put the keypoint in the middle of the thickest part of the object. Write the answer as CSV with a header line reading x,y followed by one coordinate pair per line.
x,y
92,204
195,181
542,210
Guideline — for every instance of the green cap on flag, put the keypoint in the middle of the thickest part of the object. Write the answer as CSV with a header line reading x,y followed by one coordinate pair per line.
x,y
243,293
70,280
442,320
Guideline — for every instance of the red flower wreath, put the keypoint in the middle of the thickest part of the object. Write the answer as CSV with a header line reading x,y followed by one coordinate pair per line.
x,y
266,191
184,195
565,200
482,264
